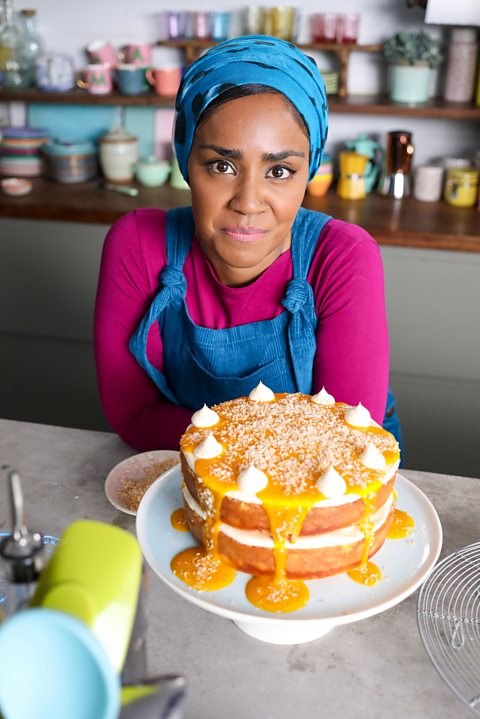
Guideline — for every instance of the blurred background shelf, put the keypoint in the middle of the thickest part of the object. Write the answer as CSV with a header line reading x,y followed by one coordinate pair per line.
x,y
352,104
401,223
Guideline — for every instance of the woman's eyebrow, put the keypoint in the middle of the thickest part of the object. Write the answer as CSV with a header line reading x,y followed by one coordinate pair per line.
x,y
278,156
238,154
234,154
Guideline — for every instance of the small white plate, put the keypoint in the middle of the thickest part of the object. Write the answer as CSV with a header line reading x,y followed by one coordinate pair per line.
x,y
405,564
136,469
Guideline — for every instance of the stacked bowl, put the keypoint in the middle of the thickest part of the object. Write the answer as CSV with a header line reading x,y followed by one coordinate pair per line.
x,y
319,184
70,162
20,151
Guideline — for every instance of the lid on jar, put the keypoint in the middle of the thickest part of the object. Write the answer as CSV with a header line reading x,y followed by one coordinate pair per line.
x,y
464,34
463,174
64,147
118,134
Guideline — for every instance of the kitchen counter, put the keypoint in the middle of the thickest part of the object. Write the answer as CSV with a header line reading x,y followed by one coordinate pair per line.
x,y
403,223
371,669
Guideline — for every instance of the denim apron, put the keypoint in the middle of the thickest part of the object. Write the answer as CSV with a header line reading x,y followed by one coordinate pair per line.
x,y
210,366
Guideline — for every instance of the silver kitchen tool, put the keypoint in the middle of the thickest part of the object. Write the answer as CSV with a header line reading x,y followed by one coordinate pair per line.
x,y
22,553
448,616
122,189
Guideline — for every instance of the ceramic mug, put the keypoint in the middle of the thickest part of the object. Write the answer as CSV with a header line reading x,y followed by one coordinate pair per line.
x,y
165,80
101,52
131,79
140,55
55,72
97,79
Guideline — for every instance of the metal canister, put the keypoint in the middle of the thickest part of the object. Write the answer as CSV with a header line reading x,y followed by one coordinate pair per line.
x,y
461,186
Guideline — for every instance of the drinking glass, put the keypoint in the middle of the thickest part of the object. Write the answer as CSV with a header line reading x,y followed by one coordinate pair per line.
x,y
199,25
347,27
324,27
176,23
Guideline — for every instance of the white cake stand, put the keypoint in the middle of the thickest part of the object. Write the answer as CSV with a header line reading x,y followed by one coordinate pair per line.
x,y
404,563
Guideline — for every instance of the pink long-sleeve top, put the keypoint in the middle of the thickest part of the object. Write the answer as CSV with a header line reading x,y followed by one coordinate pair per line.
x,y
346,274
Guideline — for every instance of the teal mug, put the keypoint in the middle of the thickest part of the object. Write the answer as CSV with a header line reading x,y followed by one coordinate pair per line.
x,y
131,79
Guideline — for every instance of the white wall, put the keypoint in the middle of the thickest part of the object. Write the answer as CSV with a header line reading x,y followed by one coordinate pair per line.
x,y
121,22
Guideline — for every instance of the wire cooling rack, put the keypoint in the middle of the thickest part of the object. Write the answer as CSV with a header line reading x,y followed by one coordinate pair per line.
x,y
448,615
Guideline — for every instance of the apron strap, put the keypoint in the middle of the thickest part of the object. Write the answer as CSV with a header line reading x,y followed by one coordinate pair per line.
x,y
173,288
180,229
299,299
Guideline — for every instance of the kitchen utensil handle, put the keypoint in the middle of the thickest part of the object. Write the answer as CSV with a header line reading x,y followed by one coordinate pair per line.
x,y
16,503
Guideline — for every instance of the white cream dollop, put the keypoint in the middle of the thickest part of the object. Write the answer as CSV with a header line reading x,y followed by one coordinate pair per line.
x,y
372,458
209,448
205,417
358,416
323,397
252,480
261,393
331,484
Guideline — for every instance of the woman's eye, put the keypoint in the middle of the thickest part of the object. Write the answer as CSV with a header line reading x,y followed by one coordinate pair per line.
x,y
222,167
280,173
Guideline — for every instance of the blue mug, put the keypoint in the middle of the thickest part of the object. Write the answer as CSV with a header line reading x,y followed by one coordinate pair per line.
x,y
131,79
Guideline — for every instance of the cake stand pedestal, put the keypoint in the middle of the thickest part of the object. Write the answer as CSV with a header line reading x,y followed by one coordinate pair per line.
x,y
282,632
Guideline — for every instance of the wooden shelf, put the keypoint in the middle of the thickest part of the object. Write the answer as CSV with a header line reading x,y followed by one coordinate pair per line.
x,y
351,105
382,105
404,223
82,97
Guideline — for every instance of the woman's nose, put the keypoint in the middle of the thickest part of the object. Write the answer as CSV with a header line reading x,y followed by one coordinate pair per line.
x,y
247,196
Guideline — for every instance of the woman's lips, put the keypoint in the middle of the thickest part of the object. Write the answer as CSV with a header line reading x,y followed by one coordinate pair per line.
x,y
244,234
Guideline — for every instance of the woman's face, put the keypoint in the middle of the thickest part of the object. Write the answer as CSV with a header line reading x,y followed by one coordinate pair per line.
x,y
248,170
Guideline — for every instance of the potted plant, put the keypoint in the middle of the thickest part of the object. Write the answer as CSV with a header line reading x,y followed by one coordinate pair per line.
x,y
411,56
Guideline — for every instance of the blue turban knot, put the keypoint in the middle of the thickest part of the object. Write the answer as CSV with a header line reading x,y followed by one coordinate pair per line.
x,y
259,60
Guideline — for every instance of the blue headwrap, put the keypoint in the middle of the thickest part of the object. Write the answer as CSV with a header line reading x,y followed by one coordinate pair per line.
x,y
259,60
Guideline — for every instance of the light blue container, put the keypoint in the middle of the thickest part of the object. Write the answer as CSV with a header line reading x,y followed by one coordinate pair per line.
x,y
53,668
410,84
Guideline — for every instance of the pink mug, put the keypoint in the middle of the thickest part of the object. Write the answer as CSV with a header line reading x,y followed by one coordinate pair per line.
x,y
136,54
100,52
165,80
96,78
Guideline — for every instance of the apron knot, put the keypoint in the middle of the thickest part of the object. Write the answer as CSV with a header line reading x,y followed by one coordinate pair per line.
x,y
173,279
297,295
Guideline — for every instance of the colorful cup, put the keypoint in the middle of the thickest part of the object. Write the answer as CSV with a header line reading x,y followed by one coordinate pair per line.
x,y
347,27
134,54
199,25
131,79
175,24
324,27
165,80
100,52
96,79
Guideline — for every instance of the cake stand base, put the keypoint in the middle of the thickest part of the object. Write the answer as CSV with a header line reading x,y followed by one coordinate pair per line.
x,y
285,632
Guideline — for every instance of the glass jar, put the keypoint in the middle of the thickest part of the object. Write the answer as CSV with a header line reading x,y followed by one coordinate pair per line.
x,y
32,40
15,69
461,187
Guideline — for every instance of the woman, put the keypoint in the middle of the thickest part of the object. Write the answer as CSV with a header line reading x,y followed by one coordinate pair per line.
x,y
199,304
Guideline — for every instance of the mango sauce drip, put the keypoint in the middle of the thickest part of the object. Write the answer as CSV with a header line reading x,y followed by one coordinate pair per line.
x,y
201,567
276,592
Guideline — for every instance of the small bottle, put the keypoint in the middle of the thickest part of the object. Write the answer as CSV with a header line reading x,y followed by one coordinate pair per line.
x,y
461,65
14,66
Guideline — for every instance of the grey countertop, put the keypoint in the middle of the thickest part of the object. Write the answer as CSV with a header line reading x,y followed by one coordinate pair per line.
x,y
370,669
